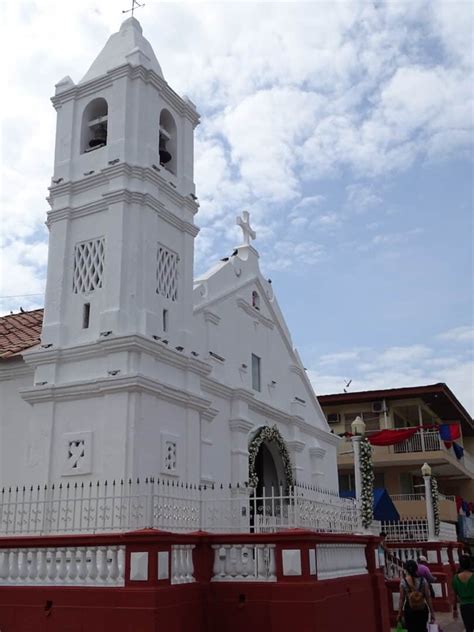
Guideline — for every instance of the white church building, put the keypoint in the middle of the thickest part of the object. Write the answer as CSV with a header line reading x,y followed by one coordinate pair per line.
x,y
142,370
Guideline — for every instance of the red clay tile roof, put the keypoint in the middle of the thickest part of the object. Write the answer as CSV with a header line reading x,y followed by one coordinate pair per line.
x,y
19,332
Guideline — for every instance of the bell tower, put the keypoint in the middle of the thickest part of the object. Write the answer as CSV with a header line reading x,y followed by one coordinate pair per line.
x,y
122,201
116,388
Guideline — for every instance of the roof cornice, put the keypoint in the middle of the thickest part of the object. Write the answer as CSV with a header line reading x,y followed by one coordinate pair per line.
x,y
147,75
113,384
114,344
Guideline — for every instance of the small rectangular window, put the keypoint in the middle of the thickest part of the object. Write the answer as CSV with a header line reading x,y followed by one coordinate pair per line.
x,y
86,315
256,382
165,320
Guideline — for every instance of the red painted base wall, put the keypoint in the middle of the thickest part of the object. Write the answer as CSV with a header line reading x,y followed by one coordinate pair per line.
x,y
327,606
301,603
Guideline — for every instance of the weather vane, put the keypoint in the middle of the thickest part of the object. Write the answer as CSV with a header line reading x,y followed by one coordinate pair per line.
x,y
135,5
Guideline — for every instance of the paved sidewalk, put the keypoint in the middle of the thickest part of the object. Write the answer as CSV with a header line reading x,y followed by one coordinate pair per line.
x,y
445,620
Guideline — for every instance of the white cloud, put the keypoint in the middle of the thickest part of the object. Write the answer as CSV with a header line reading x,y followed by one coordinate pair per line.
x,y
361,198
397,366
459,334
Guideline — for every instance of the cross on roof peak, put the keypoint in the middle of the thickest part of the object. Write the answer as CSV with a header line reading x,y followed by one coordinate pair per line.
x,y
135,5
244,223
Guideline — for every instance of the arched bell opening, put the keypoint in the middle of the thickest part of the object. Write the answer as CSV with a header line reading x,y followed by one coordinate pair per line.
x,y
94,125
168,144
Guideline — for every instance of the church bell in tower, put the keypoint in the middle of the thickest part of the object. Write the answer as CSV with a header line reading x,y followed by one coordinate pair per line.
x,y
100,136
165,155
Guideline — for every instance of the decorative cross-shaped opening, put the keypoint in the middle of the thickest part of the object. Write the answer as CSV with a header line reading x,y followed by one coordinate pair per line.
x,y
76,453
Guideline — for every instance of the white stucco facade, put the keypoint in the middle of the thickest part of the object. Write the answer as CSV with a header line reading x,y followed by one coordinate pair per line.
x,y
143,370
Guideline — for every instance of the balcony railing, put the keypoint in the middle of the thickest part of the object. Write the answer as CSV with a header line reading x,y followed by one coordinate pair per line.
x,y
422,441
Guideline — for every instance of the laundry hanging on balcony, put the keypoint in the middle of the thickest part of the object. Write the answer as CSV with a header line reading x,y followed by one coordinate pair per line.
x,y
391,437
449,432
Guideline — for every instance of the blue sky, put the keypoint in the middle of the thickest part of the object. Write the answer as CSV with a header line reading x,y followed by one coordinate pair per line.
x,y
345,128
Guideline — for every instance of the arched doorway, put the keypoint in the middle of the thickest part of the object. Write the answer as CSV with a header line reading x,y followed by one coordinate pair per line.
x,y
269,471
270,477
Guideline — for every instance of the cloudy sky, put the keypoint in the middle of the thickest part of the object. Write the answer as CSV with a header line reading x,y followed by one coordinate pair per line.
x,y
345,128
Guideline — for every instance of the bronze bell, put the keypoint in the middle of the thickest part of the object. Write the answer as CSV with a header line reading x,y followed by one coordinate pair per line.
x,y
100,136
165,155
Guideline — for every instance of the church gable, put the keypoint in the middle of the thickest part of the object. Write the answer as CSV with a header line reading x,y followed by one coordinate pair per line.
x,y
245,335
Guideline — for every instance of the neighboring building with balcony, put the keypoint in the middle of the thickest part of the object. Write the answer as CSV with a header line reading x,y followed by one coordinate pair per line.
x,y
397,467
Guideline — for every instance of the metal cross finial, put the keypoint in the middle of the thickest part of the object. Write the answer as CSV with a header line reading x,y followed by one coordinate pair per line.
x,y
135,5
244,224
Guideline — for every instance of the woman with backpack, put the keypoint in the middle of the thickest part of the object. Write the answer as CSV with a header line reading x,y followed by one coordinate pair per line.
x,y
415,600
463,586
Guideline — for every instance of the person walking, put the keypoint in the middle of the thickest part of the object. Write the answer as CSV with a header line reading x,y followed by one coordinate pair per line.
x,y
424,571
415,606
463,586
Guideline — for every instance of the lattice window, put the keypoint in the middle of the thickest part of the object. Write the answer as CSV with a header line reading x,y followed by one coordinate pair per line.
x,y
167,273
89,259
170,455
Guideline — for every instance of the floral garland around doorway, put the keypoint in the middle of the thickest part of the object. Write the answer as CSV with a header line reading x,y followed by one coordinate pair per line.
x,y
269,434
435,501
367,483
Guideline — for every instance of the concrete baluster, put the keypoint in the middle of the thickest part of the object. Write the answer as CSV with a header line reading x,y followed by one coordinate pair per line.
x,y
72,570
93,570
62,570
23,568
238,566
260,559
103,567
43,564
121,562
5,565
114,565
245,561
175,565
216,565
33,569
228,560
52,566
271,562
82,564
14,569
190,565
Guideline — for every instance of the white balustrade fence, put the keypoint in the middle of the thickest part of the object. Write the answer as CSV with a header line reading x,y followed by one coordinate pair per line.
x,y
416,530
244,562
182,567
83,566
340,560
172,506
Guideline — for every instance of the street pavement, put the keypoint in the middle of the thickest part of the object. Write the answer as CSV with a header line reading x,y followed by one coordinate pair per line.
x,y
447,624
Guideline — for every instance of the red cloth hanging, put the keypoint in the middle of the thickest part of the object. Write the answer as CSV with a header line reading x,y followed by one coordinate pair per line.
x,y
391,437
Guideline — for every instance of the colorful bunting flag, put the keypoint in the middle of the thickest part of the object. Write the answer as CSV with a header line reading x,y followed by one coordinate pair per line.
x,y
449,432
